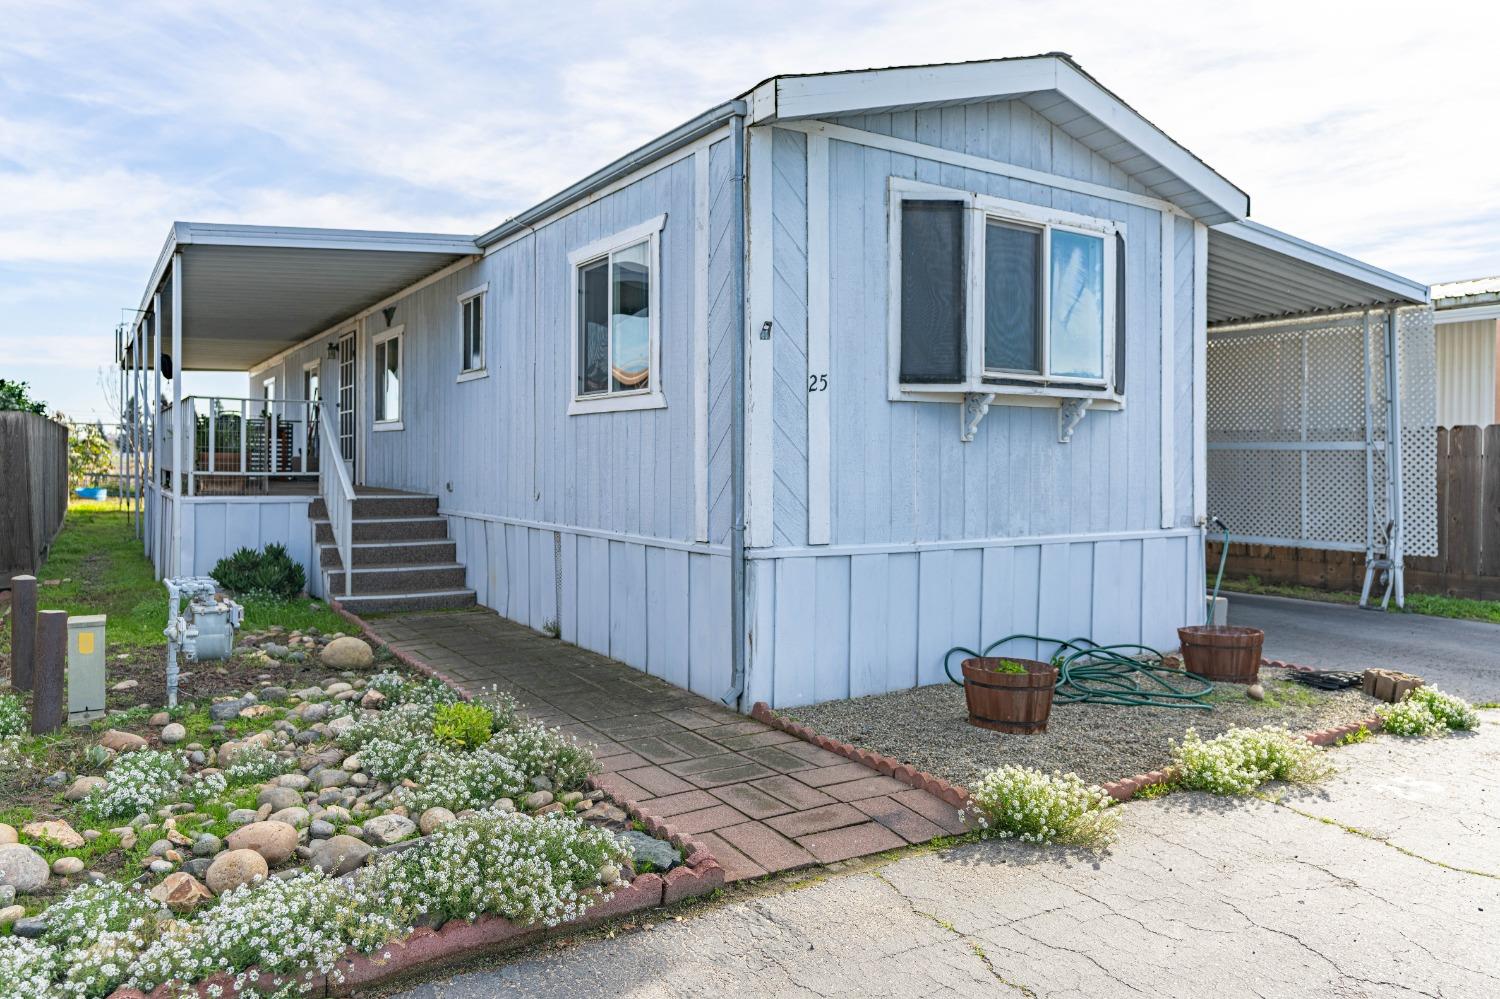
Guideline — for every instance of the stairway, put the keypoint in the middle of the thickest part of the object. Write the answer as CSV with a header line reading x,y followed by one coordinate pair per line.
x,y
403,558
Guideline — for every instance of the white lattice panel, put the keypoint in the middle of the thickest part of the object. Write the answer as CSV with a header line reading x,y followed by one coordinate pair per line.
x,y
1288,409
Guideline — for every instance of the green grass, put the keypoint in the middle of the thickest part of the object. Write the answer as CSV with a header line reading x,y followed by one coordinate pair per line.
x,y
1278,694
103,570
1430,604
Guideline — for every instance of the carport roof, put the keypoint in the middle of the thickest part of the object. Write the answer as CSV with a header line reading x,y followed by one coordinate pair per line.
x,y
250,292
1258,273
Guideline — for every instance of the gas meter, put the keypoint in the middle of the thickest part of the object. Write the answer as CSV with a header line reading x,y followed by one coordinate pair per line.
x,y
203,629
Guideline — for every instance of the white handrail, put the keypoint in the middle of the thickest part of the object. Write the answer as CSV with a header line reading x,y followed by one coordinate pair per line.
x,y
337,488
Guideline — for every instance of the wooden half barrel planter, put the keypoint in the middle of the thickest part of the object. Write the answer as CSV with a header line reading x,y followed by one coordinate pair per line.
x,y
1222,653
1007,701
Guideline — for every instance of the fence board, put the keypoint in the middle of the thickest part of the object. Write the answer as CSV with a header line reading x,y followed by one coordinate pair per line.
x,y
33,490
1489,520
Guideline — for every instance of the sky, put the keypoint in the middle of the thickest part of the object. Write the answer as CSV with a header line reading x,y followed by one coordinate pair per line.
x,y
1368,128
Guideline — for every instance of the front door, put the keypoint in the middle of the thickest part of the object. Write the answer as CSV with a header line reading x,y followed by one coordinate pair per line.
x,y
346,399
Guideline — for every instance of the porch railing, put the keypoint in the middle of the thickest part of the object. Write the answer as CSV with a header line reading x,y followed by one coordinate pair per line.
x,y
238,446
336,486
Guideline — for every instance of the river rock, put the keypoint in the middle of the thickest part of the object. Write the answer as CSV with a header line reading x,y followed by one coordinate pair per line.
x,y
81,787
296,816
54,831
434,819
22,868
648,849
67,867
227,710
7,834
273,840
11,913
172,733
347,653
537,799
121,742
338,855
181,892
278,797
387,829
233,868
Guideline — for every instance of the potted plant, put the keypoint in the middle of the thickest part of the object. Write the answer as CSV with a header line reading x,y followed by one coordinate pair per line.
x,y
1222,653
1009,695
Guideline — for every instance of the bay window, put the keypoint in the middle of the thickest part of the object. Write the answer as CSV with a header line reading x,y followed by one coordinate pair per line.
x,y
1000,298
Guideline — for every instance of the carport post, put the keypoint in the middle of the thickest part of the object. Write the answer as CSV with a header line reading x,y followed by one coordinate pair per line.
x,y
154,515
173,557
1393,457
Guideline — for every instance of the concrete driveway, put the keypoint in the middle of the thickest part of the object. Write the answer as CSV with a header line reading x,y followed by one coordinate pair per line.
x,y
1461,657
1384,882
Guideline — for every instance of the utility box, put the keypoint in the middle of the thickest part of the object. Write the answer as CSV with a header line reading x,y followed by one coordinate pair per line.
x,y
85,668
1220,611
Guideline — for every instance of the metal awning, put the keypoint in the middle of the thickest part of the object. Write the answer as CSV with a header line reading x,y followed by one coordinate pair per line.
x,y
250,292
1257,273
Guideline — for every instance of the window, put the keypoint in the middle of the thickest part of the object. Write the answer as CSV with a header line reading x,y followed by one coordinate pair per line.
x,y
616,326
471,333
388,372
268,390
993,296
310,378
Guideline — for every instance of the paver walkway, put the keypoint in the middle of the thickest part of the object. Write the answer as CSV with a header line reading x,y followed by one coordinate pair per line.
x,y
760,799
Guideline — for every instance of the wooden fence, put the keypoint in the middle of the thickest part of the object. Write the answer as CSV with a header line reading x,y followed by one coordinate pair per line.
x,y
1468,512
33,490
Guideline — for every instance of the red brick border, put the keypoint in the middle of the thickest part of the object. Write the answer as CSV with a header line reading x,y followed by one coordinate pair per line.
x,y
420,665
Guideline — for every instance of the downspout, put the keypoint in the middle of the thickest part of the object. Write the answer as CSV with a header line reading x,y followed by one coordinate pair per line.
x,y
738,634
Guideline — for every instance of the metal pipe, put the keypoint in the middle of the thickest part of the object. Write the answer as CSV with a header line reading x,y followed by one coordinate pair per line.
x,y
737,420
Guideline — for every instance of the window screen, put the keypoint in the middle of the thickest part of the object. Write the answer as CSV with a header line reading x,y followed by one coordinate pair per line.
x,y
1012,298
932,291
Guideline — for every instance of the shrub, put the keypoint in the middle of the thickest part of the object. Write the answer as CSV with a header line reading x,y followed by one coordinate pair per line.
x,y
1035,807
138,782
13,717
1427,711
529,870
462,725
270,572
1242,759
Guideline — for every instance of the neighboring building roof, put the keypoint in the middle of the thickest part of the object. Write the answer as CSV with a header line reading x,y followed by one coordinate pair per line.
x,y
1258,273
1458,294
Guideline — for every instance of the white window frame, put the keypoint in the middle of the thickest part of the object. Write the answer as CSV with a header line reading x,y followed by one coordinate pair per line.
x,y
650,397
1007,386
482,371
398,333
317,368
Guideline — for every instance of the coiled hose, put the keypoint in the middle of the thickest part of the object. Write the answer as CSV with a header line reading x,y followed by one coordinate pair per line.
x,y
1105,674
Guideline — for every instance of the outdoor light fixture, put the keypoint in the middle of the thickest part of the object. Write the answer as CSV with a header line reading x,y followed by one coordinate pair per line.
x,y
333,350
390,313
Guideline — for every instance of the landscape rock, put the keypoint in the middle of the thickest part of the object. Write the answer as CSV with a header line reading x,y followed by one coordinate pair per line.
x,y
242,816
207,845
273,840
22,868
339,855
233,868
181,892
538,799
347,653
387,829
80,788
278,797
320,829
372,699
11,913
67,867
434,819
30,926
7,834
54,831
649,849
159,719
121,742
173,733
296,816
226,710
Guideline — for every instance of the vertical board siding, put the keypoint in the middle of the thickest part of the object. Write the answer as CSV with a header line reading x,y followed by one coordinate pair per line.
x,y
851,625
1466,385
212,530
789,336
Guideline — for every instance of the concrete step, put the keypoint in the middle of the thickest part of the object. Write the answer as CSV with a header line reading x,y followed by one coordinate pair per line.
x,y
387,529
379,553
417,600
398,578
382,505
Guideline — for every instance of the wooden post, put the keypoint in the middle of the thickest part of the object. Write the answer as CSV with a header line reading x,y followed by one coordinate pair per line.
x,y
22,630
47,710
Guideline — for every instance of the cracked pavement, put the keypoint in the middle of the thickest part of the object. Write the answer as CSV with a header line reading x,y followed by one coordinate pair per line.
x,y
1383,881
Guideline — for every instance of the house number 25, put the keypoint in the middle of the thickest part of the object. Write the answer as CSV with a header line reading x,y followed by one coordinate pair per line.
x,y
817,383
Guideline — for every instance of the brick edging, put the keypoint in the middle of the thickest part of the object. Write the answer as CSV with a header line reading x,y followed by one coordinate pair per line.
x,y
954,794
368,631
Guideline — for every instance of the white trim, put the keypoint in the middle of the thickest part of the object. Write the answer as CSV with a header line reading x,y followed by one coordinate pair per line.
x,y
589,532
982,164
1200,373
819,403
397,333
1169,372
759,354
1008,541
315,365
979,210
828,95
701,210
1466,314
341,327
481,370
610,401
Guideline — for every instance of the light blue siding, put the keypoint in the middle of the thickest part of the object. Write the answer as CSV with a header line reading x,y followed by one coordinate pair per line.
x,y
212,529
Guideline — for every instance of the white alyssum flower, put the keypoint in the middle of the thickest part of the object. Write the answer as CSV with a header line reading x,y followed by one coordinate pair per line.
x,y
1036,807
1427,711
1242,759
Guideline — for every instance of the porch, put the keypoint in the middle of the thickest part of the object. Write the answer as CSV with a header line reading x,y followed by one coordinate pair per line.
x,y
761,799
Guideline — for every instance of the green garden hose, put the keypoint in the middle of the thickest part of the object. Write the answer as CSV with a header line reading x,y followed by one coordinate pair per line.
x,y
1105,674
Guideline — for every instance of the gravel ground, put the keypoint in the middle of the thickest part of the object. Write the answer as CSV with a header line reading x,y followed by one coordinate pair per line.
x,y
928,728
